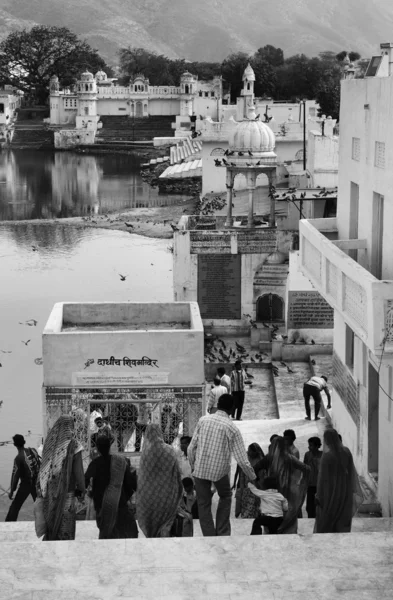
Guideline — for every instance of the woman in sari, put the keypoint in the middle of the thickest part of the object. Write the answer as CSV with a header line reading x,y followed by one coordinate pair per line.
x,y
60,475
113,483
247,504
339,494
159,485
292,479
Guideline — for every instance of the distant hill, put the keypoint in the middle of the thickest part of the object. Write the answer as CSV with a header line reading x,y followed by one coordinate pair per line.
x,y
211,29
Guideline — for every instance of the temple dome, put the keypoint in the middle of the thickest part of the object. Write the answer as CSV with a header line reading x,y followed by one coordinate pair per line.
x,y
248,73
87,76
101,76
252,135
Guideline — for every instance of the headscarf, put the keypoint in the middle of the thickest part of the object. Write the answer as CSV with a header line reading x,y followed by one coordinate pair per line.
x,y
258,455
339,492
56,468
159,484
292,481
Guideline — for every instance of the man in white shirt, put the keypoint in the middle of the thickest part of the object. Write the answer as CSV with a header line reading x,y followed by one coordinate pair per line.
x,y
215,393
312,388
215,438
225,379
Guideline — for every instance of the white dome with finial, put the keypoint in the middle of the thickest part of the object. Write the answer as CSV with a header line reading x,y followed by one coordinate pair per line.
x,y
87,76
252,135
248,73
101,76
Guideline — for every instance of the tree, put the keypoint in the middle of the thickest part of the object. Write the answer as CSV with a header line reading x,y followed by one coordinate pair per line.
x,y
351,55
272,55
328,93
232,69
28,59
156,67
265,76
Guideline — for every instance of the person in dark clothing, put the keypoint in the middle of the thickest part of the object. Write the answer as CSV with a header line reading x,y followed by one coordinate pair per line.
x,y
238,377
312,389
312,458
113,485
25,470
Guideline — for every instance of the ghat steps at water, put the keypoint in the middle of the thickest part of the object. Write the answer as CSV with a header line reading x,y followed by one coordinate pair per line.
x,y
127,129
32,135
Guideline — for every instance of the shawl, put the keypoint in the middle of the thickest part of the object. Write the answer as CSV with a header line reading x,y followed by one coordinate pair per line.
x,y
339,493
159,484
292,481
56,468
110,503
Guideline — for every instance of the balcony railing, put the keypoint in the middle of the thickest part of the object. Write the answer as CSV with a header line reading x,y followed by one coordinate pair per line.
x,y
364,302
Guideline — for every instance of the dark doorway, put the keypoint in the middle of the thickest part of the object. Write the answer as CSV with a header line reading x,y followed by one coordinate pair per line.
x,y
373,420
270,307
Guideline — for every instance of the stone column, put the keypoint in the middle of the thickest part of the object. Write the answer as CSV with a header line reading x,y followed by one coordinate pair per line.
x,y
229,184
272,182
251,179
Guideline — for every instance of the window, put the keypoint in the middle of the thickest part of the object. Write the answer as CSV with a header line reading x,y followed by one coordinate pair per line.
x,y
206,94
354,217
200,94
379,155
377,235
373,66
1,109
212,94
349,347
355,148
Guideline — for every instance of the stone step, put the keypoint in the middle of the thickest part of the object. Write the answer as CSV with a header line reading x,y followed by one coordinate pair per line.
x,y
348,567
24,531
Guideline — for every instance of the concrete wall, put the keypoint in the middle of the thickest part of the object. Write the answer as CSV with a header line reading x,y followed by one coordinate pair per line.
x,y
71,138
105,106
164,107
298,282
370,125
179,352
322,160
185,280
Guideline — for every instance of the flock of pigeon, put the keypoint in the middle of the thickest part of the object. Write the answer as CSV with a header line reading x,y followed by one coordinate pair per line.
x,y
217,351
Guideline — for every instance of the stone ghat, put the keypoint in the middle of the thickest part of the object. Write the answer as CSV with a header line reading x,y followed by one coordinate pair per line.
x,y
23,531
355,566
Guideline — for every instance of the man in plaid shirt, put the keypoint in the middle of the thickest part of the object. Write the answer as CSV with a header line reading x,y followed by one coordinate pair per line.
x,y
215,438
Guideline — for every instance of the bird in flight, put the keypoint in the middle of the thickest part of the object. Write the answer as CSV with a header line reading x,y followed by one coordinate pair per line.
x,y
25,343
122,277
31,322
6,351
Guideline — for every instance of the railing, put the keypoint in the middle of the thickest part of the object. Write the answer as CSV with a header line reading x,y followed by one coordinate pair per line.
x,y
365,303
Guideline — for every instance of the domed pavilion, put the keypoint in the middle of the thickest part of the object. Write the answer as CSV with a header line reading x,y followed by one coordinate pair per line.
x,y
251,152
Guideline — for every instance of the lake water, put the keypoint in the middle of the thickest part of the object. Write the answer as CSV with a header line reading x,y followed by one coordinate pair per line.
x,y
48,184
69,264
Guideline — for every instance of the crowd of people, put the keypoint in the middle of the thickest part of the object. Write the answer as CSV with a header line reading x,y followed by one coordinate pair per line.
x,y
173,488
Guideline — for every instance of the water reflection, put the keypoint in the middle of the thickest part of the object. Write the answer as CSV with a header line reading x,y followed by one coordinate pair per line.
x,y
46,184
69,264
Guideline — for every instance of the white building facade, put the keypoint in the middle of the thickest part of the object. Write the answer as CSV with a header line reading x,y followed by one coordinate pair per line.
x,y
139,99
355,274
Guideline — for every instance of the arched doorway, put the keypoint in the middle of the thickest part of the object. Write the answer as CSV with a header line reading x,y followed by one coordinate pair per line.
x,y
139,109
270,308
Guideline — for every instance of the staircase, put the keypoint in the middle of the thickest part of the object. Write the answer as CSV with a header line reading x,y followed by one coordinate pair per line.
x,y
119,129
301,567
28,135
